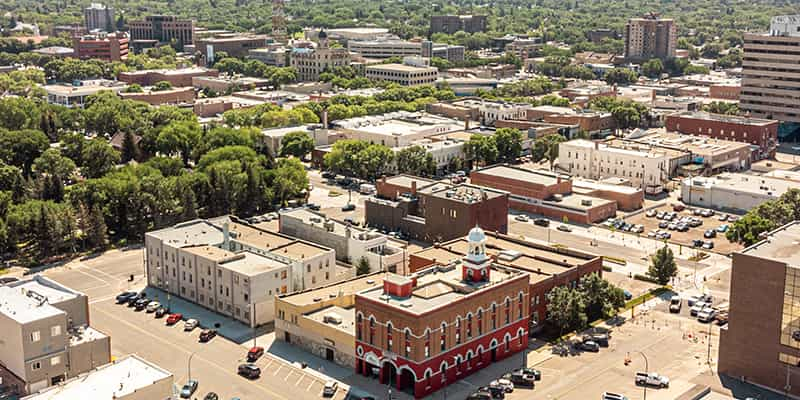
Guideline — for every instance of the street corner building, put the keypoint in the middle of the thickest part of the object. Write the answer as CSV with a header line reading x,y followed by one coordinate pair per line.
x,y
421,332
761,342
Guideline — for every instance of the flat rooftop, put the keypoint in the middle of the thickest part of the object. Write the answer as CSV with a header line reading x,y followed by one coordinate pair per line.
x,y
118,379
399,67
346,315
341,288
60,89
731,119
781,245
520,174
582,202
24,306
301,250
691,143
753,184
438,286
251,264
259,238
407,180
190,233
468,193
579,183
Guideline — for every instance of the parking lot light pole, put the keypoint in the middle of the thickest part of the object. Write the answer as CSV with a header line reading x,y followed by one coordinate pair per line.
x,y
190,366
646,371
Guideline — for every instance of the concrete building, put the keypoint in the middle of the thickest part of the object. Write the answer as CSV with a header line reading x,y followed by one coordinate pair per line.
x,y
771,76
100,17
233,268
102,46
644,166
544,192
176,77
351,243
707,156
385,48
434,211
547,266
310,62
488,112
650,37
394,129
403,74
344,35
451,24
432,328
524,48
628,198
229,83
46,335
732,191
322,320
55,51
179,95
75,95
234,45
163,29
762,134
273,56
596,123
128,378
759,344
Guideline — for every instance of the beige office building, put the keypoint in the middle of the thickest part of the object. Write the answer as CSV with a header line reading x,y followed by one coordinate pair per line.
x,y
404,75
46,338
309,63
771,72
650,37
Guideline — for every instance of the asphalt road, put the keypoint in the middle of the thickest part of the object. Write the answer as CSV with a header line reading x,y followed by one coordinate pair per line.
x,y
213,364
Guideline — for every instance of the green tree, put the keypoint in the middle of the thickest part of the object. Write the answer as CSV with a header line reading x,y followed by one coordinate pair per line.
x,y
130,149
509,143
161,86
362,268
482,149
290,179
21,148
663,266
415,160
297,143
602,298
179,138
52,163
96,230
620,76
652,68
134,88
546,148
98,158
566,308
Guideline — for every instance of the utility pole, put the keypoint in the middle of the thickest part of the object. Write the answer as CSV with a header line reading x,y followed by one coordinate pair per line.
x,y
190,366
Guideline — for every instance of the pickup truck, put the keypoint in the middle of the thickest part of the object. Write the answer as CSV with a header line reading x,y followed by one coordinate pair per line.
x,y
651,379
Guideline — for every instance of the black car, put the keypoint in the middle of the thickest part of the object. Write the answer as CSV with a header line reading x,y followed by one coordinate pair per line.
x,y
312,206
211,396
349,207
125,296
541,222
249,371
161,311
531,371
697,243
328,175
480,396
520,378
710,234
207,335
133,299
140,304
496,392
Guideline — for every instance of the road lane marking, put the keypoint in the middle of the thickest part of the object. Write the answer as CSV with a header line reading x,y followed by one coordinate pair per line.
x,y
169,344
92,276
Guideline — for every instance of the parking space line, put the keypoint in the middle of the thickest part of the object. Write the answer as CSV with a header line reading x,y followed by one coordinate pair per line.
x,y
92,276
269,362
277,371
310,385
289,375
300,380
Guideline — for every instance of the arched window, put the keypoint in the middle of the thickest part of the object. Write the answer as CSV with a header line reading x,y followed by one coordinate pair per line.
x,y
427,343
371,330
480,322
469,326
359,322
428,378
443,344
389,336
443,371
507,310
521,301
458,330
408,342
494,316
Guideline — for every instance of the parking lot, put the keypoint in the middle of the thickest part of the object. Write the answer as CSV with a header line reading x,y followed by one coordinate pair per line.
x,y
651,224
213,364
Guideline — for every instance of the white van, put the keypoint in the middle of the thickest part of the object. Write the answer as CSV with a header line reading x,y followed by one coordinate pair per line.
x,y
366,188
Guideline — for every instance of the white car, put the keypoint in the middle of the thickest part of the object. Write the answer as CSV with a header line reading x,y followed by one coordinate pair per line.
x,y
522,218
505,384
330,388
697,307
613,396
152,306
190,324
707,314
651,379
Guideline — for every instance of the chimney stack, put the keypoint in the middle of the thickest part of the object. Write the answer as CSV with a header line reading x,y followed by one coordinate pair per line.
x,y
414,187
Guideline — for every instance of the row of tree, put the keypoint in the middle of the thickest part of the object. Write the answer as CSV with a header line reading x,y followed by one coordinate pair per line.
x,y
766,217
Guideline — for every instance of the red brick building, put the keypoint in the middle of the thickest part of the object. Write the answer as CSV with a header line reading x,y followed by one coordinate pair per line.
x,y
546,266
434,211
184,95
543,192
758,132
425,331
108,47
176,77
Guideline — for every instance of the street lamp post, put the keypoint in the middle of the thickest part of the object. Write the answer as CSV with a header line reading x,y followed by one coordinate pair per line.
x,y
189,368
646,371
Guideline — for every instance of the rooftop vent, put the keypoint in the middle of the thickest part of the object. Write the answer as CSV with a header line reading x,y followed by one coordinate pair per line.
x,y
317,299
370,281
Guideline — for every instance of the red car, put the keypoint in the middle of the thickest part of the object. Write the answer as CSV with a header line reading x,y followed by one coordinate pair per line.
x,y
255,353
174,318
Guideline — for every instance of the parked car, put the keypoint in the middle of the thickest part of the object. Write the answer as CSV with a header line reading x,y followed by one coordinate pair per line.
x,y
211,396
161,311
588,345
173,319
678,207
141,304
722,318
330,388
255,353
125,296
651,213
520,378
697,243
613,396
651,379
707,315
695,222
732,218
564,228
328,175
480,395
707,298
722,228
660,214
663,224
522,218
708,245
313,206
692,299
502,383
697,307
152,306
188,389
600,338
349,207
675,304
496,392
627,294
133,299
249,371
207,335
710,233
190,324
542,222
